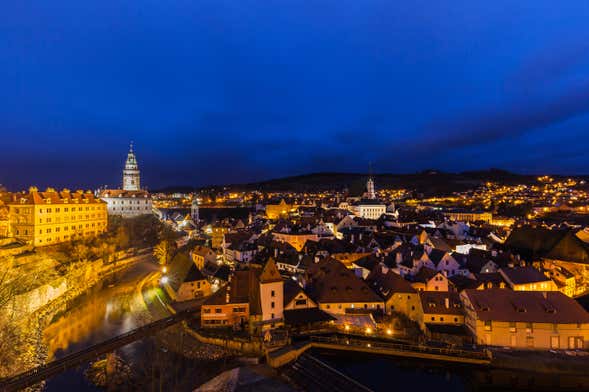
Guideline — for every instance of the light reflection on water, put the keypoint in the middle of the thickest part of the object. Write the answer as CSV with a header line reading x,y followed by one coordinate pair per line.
x,y
101,314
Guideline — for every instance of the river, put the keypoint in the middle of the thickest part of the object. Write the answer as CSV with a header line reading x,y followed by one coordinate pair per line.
x,y
110,310
381,373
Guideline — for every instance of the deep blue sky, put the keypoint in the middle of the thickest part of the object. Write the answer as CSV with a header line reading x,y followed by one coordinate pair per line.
x,y
216,91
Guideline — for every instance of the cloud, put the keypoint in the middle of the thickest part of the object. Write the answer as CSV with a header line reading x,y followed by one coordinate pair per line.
x,y
511,122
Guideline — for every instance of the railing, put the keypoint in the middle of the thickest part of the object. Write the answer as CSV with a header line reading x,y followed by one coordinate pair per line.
x,y
375,344
43,372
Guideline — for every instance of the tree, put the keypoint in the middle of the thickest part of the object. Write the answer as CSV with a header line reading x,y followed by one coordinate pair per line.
x,y
122,239
81,251
163,251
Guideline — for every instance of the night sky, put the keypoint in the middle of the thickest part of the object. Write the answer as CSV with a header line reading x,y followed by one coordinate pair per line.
x,y
240,90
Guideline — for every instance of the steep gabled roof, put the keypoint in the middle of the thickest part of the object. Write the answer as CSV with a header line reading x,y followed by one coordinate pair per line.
x,y
536,242
331,282
270,273
388,283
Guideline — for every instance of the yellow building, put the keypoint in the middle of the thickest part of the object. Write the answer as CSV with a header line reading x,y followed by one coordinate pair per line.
x,y
467,216
275,211
201,255
526,319
3,220
348,259
296,240
51,217
217,234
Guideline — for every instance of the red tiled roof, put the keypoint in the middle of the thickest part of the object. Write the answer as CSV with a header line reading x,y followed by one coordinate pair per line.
x,y
526,306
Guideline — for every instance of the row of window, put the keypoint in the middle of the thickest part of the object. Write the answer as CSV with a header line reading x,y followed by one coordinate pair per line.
x,y
64,238
66,228
441,319
67,209
73,218
114,202
237,309
353,306
529,326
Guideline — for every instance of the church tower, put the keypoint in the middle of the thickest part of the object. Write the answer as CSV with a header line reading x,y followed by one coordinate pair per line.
x,y
131,172
370,193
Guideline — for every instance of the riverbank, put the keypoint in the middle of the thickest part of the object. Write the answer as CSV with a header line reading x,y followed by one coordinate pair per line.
x,y
29,313
542,362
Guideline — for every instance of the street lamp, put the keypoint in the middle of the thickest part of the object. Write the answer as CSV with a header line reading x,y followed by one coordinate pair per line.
x,y
164,279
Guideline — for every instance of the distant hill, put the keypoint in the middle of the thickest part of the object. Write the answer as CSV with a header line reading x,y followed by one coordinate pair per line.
x,y
428,182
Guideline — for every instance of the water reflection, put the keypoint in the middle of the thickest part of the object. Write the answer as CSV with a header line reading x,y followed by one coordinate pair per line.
x,y
102,313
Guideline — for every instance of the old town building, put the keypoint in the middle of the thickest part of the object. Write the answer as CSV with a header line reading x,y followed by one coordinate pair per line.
x,y
51,217
526,319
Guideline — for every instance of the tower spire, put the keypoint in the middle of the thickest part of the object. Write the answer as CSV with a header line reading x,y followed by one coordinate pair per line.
x,y
370,193
131,146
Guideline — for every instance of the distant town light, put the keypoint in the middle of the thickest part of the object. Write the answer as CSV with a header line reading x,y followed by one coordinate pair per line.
x,y
164,269
164,279
368,330
389,331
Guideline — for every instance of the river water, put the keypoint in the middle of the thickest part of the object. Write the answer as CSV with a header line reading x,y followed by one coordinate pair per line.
x,y
157,363
381,373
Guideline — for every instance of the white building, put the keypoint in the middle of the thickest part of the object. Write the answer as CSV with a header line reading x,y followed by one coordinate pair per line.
x,y
369,207
131,200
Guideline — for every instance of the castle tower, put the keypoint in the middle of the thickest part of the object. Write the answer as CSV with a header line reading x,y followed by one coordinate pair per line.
x,y
131,179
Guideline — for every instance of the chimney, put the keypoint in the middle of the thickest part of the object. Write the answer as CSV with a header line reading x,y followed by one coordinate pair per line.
x,y
447,302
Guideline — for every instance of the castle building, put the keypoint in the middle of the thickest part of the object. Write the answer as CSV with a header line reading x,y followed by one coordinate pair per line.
x,y
51,217
130,201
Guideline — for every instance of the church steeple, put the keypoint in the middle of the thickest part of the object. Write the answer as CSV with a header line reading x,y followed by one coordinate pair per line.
x,y
370,193
131,178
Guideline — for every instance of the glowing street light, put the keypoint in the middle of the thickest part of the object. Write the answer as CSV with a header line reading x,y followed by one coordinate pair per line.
x,y
164,269
164,279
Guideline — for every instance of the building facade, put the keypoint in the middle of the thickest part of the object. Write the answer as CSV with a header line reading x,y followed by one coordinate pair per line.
x,y
130,201
52,217
127,203
526,319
